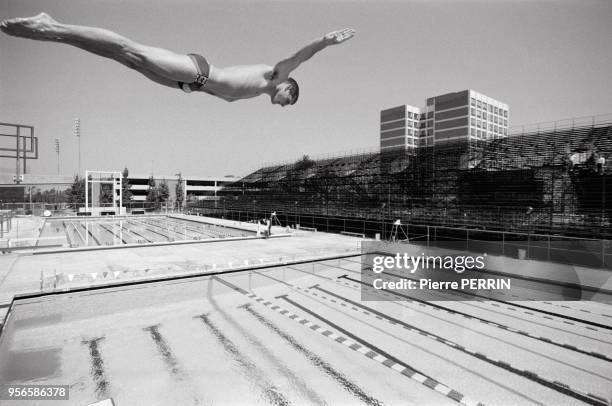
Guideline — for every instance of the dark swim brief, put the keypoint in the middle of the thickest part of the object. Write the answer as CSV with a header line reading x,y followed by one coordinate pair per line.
x,y
202,77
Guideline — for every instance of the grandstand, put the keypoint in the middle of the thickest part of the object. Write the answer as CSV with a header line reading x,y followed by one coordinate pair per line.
x,y
538,180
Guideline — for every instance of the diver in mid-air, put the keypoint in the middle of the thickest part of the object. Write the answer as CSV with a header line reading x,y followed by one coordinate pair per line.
x,y
190,72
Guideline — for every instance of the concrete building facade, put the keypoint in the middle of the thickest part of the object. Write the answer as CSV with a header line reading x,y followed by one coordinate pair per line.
x,y
195,187
464,115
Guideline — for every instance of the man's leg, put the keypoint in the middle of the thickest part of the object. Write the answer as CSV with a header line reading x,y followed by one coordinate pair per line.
x,y
162,80
145,59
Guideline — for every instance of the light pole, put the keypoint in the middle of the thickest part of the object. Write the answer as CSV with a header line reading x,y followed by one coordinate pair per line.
x,y
57,150
77,133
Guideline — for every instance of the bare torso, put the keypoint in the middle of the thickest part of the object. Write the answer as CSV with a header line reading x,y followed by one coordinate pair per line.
x,y
239,82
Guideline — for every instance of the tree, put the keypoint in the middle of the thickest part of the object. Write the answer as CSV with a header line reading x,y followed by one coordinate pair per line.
x,y
180,193
303,164
106,193
76,193
163,192
152,196
126,193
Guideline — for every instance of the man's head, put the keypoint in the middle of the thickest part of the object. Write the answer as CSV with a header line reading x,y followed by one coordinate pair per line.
x,y
287,92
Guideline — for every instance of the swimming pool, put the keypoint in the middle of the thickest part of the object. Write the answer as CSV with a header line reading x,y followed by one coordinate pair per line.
x,y
299,334
75,232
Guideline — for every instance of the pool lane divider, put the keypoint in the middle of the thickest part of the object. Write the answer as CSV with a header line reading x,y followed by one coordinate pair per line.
x,y
316,360
547,340
511,303
185,228
538,280
555,385
562,316
356,344
147,226
104,227
570,347
67,233
130,231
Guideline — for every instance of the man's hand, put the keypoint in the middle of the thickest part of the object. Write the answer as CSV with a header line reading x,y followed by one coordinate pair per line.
x,y
337,37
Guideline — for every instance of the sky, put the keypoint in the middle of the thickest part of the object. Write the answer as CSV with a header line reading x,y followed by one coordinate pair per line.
x,y
547,59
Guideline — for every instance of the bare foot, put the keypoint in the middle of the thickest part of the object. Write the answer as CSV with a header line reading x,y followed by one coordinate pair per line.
x,y
40,26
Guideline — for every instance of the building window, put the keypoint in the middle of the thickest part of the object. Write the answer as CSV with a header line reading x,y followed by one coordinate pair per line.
x,y
506,122
472,121
506,113
495,119
490,108
473,112
484,116
478,114
473,131
410,115
473,102
496,110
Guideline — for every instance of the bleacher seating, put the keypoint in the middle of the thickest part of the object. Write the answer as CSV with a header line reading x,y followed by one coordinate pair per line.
x,y
524,182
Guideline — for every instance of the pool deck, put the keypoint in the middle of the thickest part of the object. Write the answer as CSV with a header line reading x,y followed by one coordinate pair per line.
x,y
21,272
277,324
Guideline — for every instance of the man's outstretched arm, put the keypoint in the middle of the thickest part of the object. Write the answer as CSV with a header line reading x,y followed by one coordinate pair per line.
x,y
283,68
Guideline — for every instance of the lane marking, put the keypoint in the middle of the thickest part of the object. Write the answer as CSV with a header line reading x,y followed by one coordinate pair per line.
x,y
270,391
317,361
400,367
482,320
555,385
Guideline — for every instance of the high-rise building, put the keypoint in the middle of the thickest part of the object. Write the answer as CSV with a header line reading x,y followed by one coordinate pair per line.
x,y
467,115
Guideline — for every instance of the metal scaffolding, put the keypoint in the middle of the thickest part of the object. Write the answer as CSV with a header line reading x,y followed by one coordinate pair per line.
x,y
548,179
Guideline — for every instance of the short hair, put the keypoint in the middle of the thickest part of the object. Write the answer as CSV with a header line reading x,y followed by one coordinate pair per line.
x,y
294,90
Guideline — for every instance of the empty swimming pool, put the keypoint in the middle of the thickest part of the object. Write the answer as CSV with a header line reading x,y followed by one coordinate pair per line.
x,y
77,232
299,334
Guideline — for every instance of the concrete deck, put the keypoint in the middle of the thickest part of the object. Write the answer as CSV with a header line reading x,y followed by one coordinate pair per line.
x,y
21,272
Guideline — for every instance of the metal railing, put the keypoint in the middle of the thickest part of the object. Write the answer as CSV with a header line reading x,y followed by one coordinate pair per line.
x,y
588,252
37,209
564,124
515,130
6,221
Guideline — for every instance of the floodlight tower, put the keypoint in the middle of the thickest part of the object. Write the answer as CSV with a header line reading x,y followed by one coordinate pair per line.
x,y
77,133
57,150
